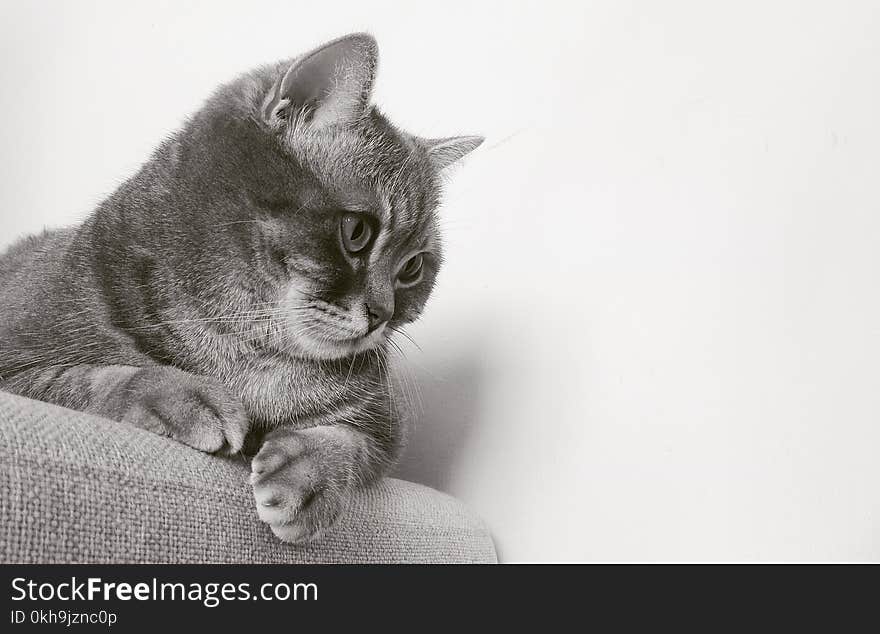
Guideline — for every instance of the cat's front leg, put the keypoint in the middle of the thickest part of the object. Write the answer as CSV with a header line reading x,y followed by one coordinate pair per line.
x,y
196,410
303,478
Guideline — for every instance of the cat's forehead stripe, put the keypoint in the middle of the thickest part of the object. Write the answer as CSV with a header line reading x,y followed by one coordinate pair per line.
x,y
385,208
408,228
386,226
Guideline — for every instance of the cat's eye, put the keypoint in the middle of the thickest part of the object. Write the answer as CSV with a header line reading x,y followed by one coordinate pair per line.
x,y
356,232
412,270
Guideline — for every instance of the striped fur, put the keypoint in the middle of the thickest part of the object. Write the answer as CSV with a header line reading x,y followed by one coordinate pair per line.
x,y
209,298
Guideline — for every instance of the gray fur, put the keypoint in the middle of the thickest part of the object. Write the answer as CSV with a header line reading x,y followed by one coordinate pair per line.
x,y
209,299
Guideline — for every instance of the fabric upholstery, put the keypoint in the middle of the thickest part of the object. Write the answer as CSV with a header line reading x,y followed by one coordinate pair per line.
x,y
76,488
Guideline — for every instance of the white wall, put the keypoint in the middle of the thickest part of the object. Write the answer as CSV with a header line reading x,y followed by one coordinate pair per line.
x,y
658,332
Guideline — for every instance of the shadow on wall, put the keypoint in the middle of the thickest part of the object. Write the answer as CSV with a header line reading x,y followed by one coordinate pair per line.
x,y
445,413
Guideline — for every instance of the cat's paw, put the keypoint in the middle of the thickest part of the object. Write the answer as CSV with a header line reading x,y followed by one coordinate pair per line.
x,y
196,410
302,480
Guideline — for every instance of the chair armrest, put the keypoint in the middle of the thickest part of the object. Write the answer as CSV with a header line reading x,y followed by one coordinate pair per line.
x,y
76,488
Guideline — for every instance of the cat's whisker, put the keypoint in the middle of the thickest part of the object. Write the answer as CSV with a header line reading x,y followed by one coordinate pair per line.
x,y
407,336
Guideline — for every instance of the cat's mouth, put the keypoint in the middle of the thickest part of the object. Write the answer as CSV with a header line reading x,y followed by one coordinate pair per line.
x,y
322,330
361,343
330,343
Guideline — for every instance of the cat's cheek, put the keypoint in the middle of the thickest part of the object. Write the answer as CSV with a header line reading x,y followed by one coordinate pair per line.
x,y
295,297
411,301
407,313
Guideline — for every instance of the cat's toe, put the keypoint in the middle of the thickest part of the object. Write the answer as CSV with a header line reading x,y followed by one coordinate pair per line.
x,y
264,465
235,425
294,533
282,492
275,454
315,517
215,423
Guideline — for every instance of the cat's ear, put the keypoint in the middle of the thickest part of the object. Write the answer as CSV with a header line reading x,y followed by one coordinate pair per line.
x,y
444,152
329,85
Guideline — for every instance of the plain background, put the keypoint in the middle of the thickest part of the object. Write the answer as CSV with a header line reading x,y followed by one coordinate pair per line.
x,y
658,330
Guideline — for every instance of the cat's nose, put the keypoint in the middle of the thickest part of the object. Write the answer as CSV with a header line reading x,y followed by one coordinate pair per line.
x,y
378,313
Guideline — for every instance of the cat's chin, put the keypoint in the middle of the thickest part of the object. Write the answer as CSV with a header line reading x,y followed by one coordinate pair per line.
x,y
329,349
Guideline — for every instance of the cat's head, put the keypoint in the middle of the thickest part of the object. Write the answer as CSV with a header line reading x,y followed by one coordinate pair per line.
x,y
334,207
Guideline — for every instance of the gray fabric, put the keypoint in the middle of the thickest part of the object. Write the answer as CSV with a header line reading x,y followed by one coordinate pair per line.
x,y
77,488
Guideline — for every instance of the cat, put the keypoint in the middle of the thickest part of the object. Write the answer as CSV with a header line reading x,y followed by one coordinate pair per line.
x,y
240,290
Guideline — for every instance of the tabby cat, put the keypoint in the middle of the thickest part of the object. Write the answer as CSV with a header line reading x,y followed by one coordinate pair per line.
x,y
241,288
